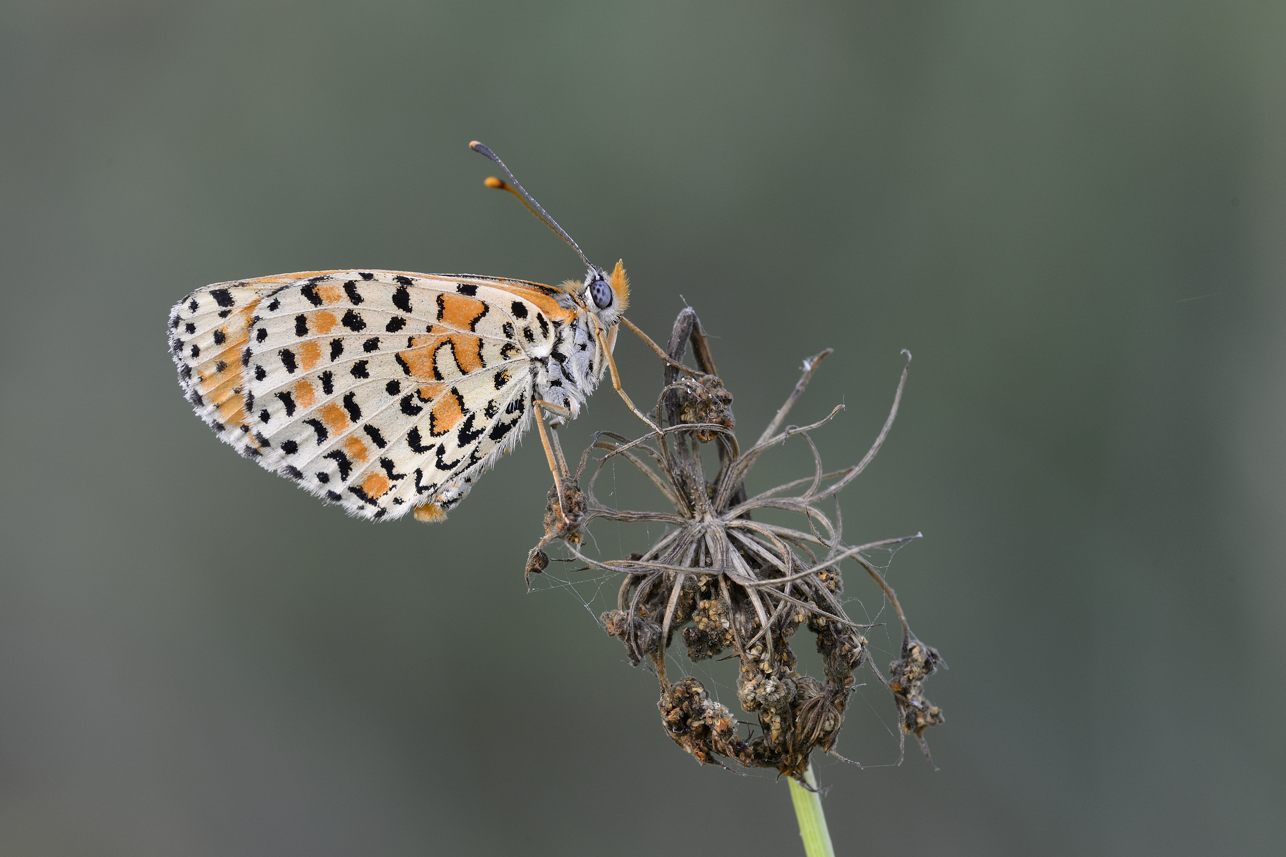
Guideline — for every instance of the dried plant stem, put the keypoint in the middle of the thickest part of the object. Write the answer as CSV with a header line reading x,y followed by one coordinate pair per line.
x,y
812,820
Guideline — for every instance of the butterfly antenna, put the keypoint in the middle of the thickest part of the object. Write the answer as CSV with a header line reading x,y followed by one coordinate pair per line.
x,y
515,187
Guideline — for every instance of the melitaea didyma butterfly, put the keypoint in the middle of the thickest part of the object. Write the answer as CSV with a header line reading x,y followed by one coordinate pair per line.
x,y
389,392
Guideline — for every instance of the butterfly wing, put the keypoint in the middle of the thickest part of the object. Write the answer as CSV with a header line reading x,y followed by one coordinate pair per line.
x,y
382,391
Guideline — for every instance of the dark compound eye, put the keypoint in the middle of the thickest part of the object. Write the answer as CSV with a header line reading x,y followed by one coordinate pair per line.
x,y
601,293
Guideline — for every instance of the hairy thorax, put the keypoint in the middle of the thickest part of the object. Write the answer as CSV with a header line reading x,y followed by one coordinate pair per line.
x,y
572,369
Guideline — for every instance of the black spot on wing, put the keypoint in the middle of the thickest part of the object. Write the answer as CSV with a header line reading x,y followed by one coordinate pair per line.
x,y
374,434
416,442
341,461
354,296
402,296
467,289
519,309
500,429
468,434
287,359
360,493
222,297
319,427
309,291
442,464
350,405
353,321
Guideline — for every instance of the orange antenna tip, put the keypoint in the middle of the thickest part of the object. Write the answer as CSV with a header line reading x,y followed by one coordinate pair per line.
x,y
529,202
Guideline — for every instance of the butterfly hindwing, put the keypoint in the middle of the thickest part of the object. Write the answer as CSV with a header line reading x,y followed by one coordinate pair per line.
x,y
378,390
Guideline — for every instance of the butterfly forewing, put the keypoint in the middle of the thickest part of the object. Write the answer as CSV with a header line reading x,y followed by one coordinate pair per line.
x,y
378,390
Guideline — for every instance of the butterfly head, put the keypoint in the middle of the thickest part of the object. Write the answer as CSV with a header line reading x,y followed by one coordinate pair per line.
x,y
606,295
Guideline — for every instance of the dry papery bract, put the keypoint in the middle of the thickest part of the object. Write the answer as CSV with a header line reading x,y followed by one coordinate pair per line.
x,y
728,582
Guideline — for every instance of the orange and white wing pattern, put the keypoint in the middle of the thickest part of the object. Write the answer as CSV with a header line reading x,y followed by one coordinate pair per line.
x,y
381,391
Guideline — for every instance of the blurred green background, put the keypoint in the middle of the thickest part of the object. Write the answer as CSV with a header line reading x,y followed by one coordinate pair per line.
x,y
1070,213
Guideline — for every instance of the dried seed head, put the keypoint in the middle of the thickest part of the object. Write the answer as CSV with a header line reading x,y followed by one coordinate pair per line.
x,y
702,727
642,637
704,402
733,585
906,680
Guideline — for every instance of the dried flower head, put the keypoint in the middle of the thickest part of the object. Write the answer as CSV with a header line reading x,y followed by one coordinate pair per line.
x,y
726,580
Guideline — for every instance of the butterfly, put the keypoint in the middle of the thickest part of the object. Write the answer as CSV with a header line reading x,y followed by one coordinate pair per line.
x,y
388,392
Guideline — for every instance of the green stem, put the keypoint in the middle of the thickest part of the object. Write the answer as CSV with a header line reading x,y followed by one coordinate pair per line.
x,y
812,820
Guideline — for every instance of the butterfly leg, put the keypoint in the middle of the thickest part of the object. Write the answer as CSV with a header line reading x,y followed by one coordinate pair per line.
x,y
566,414
553,450
656,349
616,379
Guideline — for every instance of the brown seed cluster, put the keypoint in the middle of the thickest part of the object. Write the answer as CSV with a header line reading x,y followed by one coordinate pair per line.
x,y
729,583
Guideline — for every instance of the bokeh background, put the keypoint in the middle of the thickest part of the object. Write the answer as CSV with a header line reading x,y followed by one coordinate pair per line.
x,y
1070,213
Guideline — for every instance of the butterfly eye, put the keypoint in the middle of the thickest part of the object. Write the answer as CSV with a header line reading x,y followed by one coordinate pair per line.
x,y
601,293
